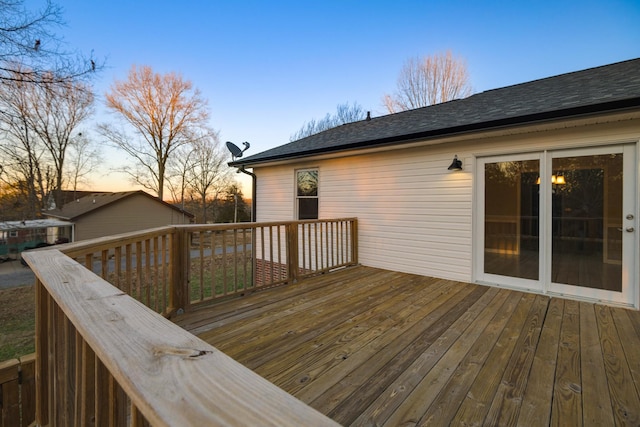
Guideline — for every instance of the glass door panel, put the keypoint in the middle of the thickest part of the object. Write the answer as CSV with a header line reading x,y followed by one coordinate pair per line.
x,y
511,219
587,211
561,222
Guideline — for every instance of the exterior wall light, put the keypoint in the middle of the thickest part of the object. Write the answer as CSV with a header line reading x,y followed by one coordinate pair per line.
x,y
456,165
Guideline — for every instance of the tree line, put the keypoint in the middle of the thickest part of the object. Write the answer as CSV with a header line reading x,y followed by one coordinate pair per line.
x,y
160,121
46,96
422,81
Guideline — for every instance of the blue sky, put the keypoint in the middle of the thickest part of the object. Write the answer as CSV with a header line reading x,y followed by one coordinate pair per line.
x,y
266,67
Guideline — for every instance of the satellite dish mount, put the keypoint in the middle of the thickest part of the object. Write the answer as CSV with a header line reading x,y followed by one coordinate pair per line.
x,y
236,152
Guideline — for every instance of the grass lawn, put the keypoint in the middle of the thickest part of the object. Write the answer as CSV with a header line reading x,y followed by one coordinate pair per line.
x,y
17,305
17,320
238,279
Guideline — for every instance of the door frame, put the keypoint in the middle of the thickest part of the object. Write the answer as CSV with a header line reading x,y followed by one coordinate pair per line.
x,y
630,295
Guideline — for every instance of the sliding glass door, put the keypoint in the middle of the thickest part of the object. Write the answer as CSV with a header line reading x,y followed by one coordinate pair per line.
x,y
511,222
560,222
592,230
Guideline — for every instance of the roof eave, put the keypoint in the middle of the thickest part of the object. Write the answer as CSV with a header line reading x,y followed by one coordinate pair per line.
x,y
576,112
62,217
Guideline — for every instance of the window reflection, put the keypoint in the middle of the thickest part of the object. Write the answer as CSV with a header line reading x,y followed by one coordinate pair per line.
x,y
512,219
587,221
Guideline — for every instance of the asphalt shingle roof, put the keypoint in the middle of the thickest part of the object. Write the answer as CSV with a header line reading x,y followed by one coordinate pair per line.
x,y
607,88
95,201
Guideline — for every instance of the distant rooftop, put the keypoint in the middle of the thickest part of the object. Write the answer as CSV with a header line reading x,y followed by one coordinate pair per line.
x,y
33,224
94,201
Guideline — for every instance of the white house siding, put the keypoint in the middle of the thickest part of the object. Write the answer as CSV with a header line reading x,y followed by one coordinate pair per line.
x,y
405,205
413,214
274,198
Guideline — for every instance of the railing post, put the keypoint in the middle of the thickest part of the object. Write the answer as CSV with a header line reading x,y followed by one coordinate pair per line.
x,y
9,392
178,267
254,256
28,389
354,241
42,354
292,252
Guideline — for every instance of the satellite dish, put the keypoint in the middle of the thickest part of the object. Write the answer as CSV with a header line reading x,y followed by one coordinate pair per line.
x,y
235,150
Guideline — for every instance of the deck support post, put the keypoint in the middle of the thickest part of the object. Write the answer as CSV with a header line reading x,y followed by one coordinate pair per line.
x,y
292,252
354,241
42,354
179,266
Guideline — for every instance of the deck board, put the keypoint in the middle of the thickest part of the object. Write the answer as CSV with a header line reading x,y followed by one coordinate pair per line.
x,y
536,410
373,347
567,402
595,390
623,390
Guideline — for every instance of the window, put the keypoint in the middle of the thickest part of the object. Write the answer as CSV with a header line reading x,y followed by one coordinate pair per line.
x,y
13,233
307,193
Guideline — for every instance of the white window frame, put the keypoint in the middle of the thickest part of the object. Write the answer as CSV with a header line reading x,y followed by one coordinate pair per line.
x,y
298,197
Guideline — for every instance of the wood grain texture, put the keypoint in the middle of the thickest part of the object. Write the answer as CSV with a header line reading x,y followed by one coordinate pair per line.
x,y
536,404
9,393
477,402
172,377
364,346
28,391
374,347
506,403
623,391
439,363
595,390
567,398
446,404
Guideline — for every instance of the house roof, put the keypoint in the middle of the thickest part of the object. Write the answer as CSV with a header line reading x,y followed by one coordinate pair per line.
x,y
33,224
95,201
609,88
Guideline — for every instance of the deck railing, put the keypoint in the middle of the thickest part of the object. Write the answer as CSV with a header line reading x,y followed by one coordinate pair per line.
x,y
107,355
177,267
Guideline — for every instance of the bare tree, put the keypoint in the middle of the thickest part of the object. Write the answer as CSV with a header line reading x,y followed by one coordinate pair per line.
x,y
30,48
39,121
208,174
178,168
56,111
345,113
232,206
163,111
429,80
21,152
13,200
199,170
84,158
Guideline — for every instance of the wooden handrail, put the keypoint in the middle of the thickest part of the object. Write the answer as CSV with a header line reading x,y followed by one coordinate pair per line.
x,y
175,267
129,364
98,244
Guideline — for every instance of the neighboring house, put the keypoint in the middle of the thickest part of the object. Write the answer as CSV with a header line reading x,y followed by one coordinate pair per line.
x,y
105,214
546,199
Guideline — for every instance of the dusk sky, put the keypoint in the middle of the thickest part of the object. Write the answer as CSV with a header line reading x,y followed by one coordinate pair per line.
x,y
266,67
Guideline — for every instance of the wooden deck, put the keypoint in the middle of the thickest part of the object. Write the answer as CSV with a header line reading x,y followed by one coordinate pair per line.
x,y
373,347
